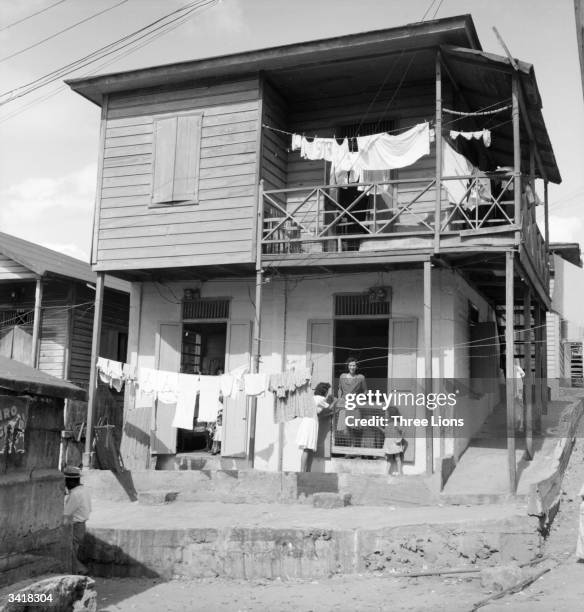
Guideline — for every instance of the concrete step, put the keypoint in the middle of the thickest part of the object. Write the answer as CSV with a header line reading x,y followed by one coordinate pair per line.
x,y
17,567
152,498
196,461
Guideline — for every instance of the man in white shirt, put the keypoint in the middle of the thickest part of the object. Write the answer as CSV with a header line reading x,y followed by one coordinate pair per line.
x,y
77,511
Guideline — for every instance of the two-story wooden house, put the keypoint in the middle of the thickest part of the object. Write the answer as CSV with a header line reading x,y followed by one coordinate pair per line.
x,y
241,248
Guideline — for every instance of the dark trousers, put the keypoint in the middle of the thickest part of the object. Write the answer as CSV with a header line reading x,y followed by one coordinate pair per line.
x,y
78,537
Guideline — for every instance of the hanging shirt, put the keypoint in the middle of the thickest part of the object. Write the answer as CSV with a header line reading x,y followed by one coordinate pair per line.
x,y
455,164
167,387
187,389
209,387
319,148
484,135
345,166
255,384
226,383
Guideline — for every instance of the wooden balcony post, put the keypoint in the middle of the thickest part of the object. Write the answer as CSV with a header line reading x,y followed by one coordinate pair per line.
x,y
438,144
528,380
428,361
36,326
546,217
516,150
539,381
510,369
255,361
92,391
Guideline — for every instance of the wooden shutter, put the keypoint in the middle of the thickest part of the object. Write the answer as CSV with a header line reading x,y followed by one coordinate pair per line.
x,y
235,410
177,148
403,371
163,439
320,354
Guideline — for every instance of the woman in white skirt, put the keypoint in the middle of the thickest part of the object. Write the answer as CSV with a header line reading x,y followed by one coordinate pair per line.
x,y
307,435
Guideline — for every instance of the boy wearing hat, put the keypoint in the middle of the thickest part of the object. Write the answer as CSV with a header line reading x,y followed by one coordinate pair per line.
x,y
77,511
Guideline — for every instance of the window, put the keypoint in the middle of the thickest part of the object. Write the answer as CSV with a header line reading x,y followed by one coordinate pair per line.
x,y
177,147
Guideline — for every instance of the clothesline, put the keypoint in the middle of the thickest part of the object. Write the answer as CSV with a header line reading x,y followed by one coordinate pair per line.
x,y
476,113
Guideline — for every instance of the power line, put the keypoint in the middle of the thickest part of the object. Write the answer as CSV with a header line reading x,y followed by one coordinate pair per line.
x,y
44,40
114,47
10,25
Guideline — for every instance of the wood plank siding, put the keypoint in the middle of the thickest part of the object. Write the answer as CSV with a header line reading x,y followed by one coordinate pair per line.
x,y
12,270
218,228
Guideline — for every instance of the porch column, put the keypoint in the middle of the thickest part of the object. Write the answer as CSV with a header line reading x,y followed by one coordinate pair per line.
x,y
528,380
516,151
428,361
509,370
438,142
544,364
92,391
539,380
36,326
546,217
255,361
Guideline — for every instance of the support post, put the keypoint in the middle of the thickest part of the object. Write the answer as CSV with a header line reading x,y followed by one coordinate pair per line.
x,y
544,375
92,391
528,380
546,217
438,143
255,362
510,370
36,326
516,152
428,361
539,380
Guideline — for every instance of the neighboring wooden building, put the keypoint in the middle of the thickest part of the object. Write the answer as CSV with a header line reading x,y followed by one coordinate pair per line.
x,y
217,223
46,316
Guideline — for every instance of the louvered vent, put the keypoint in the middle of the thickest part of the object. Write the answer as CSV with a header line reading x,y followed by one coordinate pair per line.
x,y
360,305
206,308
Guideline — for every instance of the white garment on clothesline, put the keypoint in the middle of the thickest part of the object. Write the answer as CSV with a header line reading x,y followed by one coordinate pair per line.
x,y
188,387
209,387
484,135
255,384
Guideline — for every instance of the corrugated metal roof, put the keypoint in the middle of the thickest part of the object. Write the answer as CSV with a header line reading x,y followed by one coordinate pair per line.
x,y
44,261
22,378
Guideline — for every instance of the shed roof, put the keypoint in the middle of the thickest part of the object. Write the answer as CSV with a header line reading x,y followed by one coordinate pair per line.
x,y
44,261
22,378
569,251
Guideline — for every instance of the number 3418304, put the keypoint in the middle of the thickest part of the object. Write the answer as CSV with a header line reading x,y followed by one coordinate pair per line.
x,y
30,597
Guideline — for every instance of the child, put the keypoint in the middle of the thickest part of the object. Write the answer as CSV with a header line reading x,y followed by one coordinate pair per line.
x,y
394,446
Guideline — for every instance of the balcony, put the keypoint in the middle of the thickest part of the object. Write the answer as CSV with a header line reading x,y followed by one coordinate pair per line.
x,y
399,216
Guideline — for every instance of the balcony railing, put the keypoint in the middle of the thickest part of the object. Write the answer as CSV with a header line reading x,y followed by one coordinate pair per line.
x,y
396,214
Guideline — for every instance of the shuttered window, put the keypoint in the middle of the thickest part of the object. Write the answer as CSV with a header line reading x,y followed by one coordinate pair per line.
x,y
177,148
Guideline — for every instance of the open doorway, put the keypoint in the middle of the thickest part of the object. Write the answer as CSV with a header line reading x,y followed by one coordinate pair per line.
x,y
368,341
202,352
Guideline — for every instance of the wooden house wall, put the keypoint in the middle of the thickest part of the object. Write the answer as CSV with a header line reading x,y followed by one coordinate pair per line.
x,y
11,270
217,230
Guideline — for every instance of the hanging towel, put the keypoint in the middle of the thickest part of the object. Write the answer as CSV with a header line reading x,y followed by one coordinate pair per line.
x,y
484,135
148,381
238,374
116,375
345,166
103,370
187,388
319,148
226,382
455,164
209,387
296,142
389,151
255,384
167,387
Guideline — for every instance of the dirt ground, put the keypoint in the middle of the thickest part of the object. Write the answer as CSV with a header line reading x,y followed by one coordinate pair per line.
x,y
559,590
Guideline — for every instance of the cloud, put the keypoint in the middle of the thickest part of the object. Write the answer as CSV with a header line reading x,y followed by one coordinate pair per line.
x,y
565,229
55,212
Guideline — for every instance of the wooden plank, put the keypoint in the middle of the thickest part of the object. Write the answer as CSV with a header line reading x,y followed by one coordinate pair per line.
x,y
428,361
154,96
123,207
229,149
142,149
239,245
129,130
229,160
126,181
176,106
510,370
125,141
121,171
128,160
229,117
139,195
528,380
234,127
228,139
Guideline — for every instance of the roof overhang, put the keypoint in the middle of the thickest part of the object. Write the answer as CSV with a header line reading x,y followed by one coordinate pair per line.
x,y
457,30
569,251
485,79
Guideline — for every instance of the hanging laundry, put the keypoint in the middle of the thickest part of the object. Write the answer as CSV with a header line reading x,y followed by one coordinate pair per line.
x,y
345,166
296,142
167,387
255,384
319,148
389,151
455,164
484,135
111,373
209,404
187,389
238,386
297,403
129,372
226,383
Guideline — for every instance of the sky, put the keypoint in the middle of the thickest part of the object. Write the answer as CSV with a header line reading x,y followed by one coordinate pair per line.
x,y
49,139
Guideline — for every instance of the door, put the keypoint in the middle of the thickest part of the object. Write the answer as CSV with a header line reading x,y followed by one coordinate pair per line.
x,y
235,411
320,355
163,435
16,344
403,371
